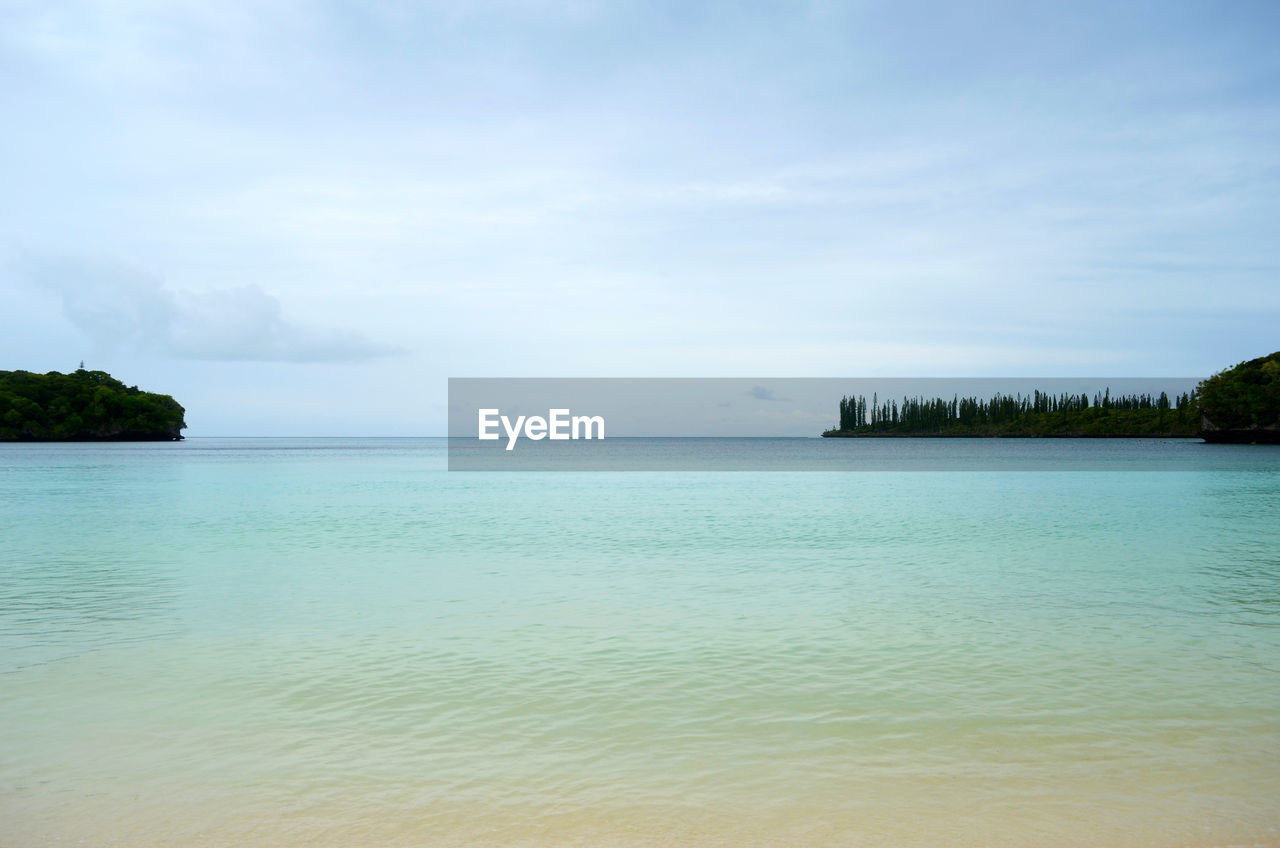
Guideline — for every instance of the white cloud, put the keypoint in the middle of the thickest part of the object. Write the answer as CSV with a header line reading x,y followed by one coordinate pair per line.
x,y
123,308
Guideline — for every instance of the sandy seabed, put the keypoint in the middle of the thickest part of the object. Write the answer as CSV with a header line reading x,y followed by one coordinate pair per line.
x,y
33,819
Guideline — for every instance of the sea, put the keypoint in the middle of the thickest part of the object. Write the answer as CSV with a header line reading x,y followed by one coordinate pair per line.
x,y
340,642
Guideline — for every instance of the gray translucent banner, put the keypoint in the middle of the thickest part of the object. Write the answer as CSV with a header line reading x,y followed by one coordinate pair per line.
x,y
737,424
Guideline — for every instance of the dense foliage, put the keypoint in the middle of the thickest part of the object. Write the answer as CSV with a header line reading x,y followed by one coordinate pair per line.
x,y
84,406
1245,396
1037,414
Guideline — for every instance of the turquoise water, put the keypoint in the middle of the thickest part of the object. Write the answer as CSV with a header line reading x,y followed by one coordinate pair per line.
x,y
310,642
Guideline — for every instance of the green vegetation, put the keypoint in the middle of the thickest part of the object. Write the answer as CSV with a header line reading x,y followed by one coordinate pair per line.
x,y
84,406
1038,414
1243,403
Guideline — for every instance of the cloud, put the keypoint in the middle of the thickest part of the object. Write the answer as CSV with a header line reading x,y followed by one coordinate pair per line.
x,y
120,307
763,393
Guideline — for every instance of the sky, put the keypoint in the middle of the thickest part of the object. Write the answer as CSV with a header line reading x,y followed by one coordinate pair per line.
x,y
303,218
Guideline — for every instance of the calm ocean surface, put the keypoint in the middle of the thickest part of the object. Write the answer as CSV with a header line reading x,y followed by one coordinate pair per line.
x,y
286,642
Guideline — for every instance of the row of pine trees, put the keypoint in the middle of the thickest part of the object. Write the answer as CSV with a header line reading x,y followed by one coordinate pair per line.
x,y
921,415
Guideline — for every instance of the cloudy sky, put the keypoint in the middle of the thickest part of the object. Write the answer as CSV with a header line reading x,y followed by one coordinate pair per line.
x,y
301,218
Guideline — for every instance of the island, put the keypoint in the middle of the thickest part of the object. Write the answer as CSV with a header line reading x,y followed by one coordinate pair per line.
x,y
1241,404
84,406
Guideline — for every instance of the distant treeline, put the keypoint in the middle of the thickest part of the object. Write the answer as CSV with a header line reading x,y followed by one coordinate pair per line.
x,y
83,406
1037,414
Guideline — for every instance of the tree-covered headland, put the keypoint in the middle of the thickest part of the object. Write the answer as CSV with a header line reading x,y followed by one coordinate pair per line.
x,y
1241,404
83,406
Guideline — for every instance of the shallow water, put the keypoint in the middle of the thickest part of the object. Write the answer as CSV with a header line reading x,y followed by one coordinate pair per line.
x,y
337,642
